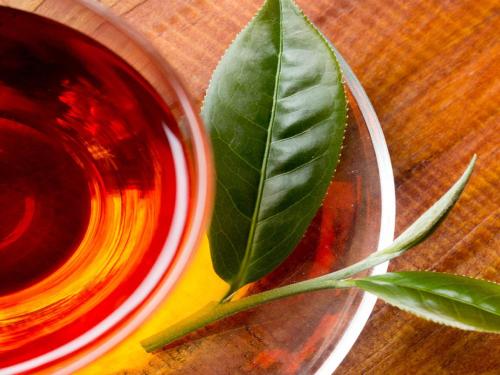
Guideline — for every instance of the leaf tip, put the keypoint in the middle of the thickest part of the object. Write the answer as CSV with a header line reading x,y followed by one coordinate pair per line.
x,y
462,181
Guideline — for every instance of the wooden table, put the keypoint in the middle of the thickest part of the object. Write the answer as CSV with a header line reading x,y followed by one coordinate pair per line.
x,y
431,69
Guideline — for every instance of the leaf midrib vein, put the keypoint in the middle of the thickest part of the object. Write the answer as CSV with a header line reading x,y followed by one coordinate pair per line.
x,y
241,276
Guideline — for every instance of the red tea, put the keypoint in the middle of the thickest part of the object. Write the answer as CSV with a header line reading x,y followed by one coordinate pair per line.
x,y
76,122
86,170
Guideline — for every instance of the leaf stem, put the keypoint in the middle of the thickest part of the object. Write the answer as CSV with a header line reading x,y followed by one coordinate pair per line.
x,y
416,233
211,313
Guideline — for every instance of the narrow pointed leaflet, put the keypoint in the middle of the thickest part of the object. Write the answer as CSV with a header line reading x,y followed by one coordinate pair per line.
x,y
276,113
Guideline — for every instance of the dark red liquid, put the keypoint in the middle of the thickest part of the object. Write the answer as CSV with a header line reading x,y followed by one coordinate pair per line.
x,y
42,221
77,124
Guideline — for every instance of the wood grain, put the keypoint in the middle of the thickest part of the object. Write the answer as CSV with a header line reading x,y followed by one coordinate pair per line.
x,y
431,69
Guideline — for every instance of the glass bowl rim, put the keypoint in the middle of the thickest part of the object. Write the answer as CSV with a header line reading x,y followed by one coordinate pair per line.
x,y
130,314
387,217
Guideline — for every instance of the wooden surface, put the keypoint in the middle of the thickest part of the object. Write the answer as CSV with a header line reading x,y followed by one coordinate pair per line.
x,y
431,69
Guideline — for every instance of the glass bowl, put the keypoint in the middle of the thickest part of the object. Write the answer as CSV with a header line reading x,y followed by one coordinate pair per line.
x,y
305,334
107,288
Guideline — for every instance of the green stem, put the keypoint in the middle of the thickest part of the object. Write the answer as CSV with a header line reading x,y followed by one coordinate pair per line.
x,y
412,236
214,311
211,313
369,262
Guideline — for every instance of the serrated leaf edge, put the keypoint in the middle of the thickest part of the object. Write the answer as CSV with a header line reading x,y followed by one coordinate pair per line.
x,y
438,294
245,28
448,322
341,73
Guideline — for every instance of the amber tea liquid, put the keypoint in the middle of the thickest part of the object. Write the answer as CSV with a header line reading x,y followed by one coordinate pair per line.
x,y
87,175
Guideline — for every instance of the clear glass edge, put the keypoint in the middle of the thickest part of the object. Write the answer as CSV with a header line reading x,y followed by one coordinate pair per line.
x,y
387,217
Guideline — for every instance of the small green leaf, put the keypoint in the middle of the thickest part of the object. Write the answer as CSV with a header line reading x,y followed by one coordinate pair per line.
x,y
276,113
456,301
422,228
430,220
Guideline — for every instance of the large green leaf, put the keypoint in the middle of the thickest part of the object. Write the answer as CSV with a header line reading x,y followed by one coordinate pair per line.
x,y
457,301
276,113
